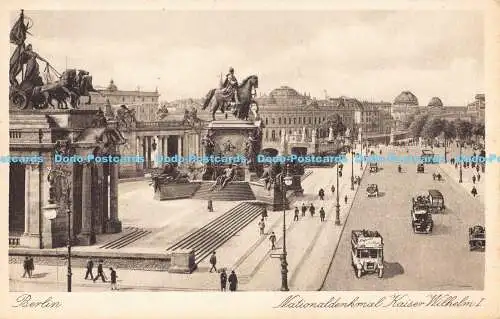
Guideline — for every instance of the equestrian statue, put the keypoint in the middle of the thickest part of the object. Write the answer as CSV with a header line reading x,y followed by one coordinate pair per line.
x,y
239,97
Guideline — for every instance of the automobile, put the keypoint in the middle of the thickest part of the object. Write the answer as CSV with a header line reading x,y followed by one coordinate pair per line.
x,y
421,217
372,190
477,238
420,168
367,252
436,201
373,167
428,157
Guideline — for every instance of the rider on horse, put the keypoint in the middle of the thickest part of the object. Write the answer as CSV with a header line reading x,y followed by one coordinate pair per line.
x,y
230,86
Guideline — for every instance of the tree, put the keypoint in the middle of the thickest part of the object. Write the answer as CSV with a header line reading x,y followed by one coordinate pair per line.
x,y
478,130
432,128
409,120
335,123
464,129
418,124
449,130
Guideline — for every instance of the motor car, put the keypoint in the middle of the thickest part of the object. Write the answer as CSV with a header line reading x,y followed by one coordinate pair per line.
x,y
373,167
420,168
421,218
436,201
477,238
367,252
372,190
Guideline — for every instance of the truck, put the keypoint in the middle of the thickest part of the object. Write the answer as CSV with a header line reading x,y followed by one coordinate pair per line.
x,y
367,252
421,217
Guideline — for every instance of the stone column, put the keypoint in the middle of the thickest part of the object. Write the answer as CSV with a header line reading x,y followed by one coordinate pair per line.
x,y
114,225
148,150
105,196
27,200
165,148
99,199
159,153
156,141
144,153
87,235
33,202
179,145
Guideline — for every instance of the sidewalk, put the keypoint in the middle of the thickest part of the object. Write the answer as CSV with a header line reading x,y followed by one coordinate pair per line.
x,y
454,174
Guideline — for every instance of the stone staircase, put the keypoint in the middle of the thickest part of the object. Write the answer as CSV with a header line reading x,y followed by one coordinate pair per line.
x,y
234,191
134,235
219,231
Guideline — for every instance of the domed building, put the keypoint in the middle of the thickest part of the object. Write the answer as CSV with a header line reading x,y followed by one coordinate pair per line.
x,y
406,98
404,104
435,102
285,95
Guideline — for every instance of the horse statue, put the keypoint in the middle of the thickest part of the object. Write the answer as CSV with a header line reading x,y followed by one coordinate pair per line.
x,y
217,100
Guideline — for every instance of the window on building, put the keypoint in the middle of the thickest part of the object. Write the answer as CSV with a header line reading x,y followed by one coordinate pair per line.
x,y
279,121
310,121
267,134
294,120
304,120
300,120
289,132
123,99
267,122
289,120
273,135
273,121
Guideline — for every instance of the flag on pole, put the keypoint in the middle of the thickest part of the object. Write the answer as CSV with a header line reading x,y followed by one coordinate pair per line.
x,y
18,31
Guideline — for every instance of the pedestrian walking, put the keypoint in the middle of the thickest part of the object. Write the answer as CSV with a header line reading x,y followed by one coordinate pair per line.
x,y
304,209
474,191
264,213
26,264
210,206
262,226
333,189
233,281
477,168
296,214
113,277
213,262
272,239
90,266
31,266
478,176
322,214
456,165
321,194
312,210
345,199
473,179
223,280
100,272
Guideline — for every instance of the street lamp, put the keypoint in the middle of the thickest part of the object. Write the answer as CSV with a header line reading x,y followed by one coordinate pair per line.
x,y
352,170
50,211
461,160
337,207
286,181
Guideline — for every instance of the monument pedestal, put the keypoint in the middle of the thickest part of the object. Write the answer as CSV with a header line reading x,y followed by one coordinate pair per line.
x,y
182,261
113,226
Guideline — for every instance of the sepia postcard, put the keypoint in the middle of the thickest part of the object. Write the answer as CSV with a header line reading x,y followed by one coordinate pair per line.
x,y
251,159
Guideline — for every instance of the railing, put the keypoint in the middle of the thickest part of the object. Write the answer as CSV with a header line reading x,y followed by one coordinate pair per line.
x,y
159,124
14,241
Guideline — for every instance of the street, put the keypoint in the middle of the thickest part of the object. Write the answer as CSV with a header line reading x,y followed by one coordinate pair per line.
x,y
438,261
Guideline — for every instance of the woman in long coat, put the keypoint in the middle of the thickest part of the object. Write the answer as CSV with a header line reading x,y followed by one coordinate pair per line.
x,y
233,281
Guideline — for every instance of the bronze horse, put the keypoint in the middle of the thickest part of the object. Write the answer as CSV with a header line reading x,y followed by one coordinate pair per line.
x,y
216,99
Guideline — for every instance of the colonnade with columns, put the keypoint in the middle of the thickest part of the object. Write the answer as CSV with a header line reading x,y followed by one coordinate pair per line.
x,y
154,148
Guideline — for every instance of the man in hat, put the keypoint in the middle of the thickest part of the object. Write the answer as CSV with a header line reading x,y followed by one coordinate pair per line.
x,y
213,262
100,272
272,238
90,266
233,281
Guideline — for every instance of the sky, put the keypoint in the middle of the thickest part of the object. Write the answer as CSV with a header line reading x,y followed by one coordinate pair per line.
x,y
368,55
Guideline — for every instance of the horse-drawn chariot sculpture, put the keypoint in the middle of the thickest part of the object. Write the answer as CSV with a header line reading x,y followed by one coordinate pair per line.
x,y
28,89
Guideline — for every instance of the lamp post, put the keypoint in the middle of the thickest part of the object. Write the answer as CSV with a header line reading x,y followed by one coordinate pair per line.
x,y
460,157
352,170
286,180
337,207
50,211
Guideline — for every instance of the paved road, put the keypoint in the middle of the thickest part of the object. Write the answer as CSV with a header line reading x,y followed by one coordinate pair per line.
x,y
438,261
